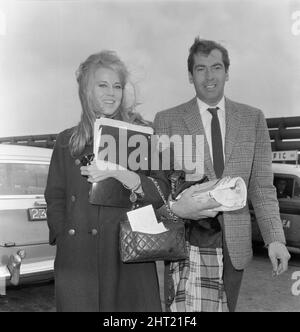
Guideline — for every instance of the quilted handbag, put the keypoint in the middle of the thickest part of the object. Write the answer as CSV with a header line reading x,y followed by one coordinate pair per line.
x,y
170,245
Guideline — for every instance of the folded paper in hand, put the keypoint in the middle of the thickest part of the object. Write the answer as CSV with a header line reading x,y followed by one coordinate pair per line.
x,y
144,220
121,147
112,148
231,193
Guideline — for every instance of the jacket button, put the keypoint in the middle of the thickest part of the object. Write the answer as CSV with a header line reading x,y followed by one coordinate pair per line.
x,y
94,232
77,162
73,198
71,232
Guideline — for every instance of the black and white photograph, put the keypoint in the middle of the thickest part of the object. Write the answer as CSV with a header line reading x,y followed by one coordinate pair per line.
x,y
203,215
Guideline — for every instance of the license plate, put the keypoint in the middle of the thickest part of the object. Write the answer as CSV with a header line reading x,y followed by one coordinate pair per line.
x,y
37,214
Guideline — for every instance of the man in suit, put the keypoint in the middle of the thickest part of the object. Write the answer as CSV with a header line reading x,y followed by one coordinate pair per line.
x,y
236,143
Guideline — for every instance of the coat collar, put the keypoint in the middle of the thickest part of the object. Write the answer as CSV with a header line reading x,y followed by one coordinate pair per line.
x,y
193,121
233,119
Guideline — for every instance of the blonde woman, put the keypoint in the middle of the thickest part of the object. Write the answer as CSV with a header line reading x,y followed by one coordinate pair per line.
x,y
89,275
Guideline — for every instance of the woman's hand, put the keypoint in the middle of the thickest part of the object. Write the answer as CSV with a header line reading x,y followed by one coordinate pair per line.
x,y
101,170
97,173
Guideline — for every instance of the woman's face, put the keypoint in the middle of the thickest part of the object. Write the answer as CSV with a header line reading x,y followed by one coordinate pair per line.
x,y
107,91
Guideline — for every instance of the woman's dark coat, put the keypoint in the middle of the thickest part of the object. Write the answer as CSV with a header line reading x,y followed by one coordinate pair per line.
x,y
89,275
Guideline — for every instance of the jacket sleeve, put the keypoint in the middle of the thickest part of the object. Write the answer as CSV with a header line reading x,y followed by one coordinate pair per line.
x,y
261,191
55,194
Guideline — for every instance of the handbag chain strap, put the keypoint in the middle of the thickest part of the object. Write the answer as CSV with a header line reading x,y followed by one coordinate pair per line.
x,y
172,215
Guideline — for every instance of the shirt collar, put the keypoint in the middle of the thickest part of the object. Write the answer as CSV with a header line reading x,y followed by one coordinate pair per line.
x,y
203,106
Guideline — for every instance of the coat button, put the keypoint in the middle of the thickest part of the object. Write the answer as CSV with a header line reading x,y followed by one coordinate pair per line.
x,y
94,232
71,232
77,162
73,198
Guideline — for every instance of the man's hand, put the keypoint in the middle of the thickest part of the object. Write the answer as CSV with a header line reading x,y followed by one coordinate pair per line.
x,y
187,207
279,257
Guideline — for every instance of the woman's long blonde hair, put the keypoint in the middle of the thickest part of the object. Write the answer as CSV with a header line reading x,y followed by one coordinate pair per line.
x,y
83,133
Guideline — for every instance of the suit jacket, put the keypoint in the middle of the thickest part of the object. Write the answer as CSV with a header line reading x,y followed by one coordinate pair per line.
x,y
247,154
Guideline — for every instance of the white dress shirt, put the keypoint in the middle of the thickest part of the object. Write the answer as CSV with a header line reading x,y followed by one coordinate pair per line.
x,y
206,120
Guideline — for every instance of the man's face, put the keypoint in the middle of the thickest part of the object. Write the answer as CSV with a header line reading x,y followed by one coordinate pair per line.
x,y
209,77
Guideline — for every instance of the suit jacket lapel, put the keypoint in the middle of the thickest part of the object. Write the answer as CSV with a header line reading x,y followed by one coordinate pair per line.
x,y
193,121
232,128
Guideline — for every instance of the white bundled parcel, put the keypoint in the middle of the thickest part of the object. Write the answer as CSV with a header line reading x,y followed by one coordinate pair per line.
x,y
230,194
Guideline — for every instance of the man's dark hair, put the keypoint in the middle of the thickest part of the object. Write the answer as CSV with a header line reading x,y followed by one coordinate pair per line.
x,y
206,46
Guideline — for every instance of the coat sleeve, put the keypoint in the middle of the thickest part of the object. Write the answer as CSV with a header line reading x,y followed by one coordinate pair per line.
x,y
261,192
161,175
151,194
55,193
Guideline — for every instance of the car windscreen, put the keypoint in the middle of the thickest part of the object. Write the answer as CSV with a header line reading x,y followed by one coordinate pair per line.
x,y
23,178
287,187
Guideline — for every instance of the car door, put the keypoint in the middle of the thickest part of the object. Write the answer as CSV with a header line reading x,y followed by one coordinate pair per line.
x,y
289,204
22,203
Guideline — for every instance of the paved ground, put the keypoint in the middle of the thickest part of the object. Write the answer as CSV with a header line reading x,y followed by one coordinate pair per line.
x,y
37,297
260,291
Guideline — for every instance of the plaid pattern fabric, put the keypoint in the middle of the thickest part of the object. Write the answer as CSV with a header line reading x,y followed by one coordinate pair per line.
x,y
197,282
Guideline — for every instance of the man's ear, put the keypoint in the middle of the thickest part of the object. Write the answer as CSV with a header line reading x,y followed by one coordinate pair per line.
x,y
227,76
191,79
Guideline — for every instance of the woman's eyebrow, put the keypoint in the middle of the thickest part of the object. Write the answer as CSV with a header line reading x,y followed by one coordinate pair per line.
x,y
103,81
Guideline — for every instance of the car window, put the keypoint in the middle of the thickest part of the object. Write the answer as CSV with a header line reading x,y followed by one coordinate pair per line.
x,y
23,179
297,191
284,187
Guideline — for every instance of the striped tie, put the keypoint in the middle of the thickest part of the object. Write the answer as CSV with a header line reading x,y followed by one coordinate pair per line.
x,y
217,144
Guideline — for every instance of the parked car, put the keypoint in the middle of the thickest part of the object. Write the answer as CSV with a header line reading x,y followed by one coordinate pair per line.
x,y
25,253
287,183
